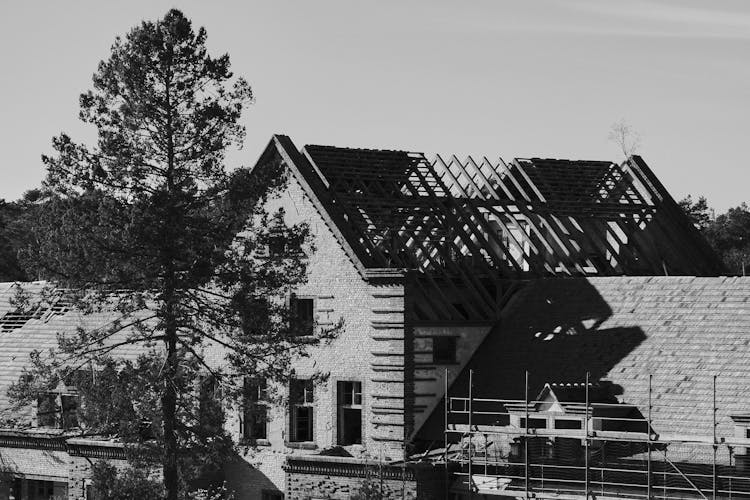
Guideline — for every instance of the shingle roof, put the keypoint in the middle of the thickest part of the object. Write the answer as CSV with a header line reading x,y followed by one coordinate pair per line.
x,y
36,464
680,330
39,331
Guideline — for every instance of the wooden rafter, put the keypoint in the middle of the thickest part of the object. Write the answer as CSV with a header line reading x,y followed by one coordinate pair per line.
x,y
462,223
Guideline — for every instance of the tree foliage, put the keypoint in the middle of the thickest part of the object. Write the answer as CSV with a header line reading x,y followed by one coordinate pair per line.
x,y
727,233
12,236
150,226
697,211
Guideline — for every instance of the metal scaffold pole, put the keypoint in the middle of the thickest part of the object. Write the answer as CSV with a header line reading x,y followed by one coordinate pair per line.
x,y
445,435
715,444
586,442
648,433
471,451
526,437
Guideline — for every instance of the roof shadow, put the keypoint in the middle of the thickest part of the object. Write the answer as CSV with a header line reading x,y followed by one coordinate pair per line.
x,y
552,330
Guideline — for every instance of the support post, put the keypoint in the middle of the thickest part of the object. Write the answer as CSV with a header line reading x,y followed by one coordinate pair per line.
x,y
445,435
648,442
403,475
471,433
715,444
586,441
526,437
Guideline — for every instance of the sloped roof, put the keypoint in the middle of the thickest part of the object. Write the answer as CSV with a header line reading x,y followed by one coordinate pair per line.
x,y
38,331
680,330
49,465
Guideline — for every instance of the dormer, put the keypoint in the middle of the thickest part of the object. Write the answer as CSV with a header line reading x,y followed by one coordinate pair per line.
x,y
564,406
58,408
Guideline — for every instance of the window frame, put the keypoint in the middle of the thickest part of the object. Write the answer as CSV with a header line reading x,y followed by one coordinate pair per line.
x,y
453,359
306,402
297,329
342,405
254,402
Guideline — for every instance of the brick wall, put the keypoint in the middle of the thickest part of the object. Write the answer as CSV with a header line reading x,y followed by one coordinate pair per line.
x,y
368,310
339,478
80,471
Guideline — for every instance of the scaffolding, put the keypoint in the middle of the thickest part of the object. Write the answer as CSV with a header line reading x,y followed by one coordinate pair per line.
x,y
587,444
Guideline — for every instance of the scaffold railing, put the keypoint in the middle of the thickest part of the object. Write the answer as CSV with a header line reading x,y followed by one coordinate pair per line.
x,y
577,441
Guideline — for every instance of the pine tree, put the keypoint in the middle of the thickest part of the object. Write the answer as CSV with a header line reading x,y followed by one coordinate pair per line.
x,y
150,223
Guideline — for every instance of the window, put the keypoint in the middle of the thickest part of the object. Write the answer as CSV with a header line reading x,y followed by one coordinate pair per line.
x,y
443,350
69,405
302,311
349,412
40,490
534,423
46,410
210,411
272,495
57,409
567,424
301,398
276,245
254,423
255,317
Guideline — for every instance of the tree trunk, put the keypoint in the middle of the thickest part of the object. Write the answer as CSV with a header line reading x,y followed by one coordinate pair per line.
x,y
169,406
169,397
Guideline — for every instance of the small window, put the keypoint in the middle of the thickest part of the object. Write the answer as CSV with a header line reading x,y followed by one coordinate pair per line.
x,y
47,410
255,390
69,405
301,399
302,312
535,423
254,423
443,350
349,413
276,245
255,317
567,424
209,402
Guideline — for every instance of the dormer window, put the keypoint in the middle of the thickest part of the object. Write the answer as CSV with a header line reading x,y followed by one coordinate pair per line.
x,y
58,408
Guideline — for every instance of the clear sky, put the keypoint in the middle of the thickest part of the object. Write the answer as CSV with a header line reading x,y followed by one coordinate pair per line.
x,y
490,77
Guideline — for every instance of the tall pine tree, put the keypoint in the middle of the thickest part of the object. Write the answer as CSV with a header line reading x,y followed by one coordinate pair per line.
x,y
149,223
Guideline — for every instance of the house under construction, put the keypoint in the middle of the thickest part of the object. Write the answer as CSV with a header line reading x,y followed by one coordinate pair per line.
x,y
445,270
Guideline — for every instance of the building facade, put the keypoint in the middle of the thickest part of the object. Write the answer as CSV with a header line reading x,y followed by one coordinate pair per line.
x,y
424,261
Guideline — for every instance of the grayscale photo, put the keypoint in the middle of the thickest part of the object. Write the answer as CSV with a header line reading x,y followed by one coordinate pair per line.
x,y
351,250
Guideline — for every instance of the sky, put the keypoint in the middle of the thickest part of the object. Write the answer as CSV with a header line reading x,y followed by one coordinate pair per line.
x,y
508,78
